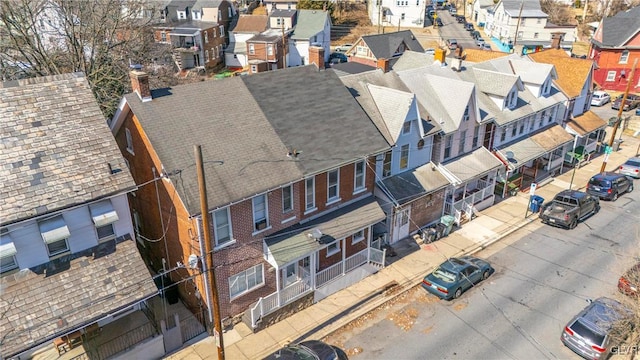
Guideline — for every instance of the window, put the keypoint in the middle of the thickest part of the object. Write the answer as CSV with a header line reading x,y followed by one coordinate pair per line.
x,y
333,188
417,2
535,35
361,50
163,36
333,248
252,49
357,236
539,21
386,164
448,140
465,117
182,15
523,22
611,76
221,30
310,193
514,129
476,134
246,281
406,127
521,131
206,37
206,56
404,156
270,49
359,175
127,134
519,34
503,135
55,233
624,57
278,21
222,227
287,198
402,16
260,221
103,216
254,68
463,139
7,254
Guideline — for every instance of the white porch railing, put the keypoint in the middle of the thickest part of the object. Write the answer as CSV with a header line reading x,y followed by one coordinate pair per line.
x,y
274,301
471,199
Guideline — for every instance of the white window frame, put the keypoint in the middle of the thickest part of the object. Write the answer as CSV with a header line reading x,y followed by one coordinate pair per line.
x,y
182,15
624,57
8,259
221,30
111,235
611,75
218,241
357,236
406,127
465,116
287,205
163,36
333,248
333,185
386,163
257,272
448,143
206,56
476,136
206,37
269,49
310,194
257,219
127,134
252,49
254,68
359,176
463,138
404,156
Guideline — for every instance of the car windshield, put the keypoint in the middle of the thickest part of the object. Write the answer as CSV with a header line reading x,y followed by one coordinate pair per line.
x,y
581,329
444,275
598,182
633,163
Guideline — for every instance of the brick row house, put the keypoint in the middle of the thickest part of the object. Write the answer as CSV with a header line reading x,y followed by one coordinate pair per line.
x,y
70,272
196,31
615,46
382,50
290,209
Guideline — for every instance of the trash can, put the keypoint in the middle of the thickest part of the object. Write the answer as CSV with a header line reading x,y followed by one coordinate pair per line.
x,y
447,221
536,203
430,235
616,145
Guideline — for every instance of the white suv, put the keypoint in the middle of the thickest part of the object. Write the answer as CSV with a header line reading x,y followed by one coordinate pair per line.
x,y
600,98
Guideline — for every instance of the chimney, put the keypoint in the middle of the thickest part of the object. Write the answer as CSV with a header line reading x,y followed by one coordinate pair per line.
x,y
383,64
439,55
316,56
140,84
458,56
556,39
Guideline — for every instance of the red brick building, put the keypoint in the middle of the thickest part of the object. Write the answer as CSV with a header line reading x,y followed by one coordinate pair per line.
x,y
615,46
290,191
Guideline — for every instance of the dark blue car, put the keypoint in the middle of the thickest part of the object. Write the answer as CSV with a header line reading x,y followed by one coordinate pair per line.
x,y
456,275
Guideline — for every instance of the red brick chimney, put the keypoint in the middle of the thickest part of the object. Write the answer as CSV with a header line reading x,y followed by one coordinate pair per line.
x,y
316,56
383,64
140,84
556,39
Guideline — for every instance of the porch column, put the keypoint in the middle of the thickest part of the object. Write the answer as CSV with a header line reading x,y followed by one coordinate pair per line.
x,y
312,270
344,253
278,285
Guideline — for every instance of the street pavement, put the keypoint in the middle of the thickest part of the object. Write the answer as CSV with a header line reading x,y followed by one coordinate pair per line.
x,y
414,260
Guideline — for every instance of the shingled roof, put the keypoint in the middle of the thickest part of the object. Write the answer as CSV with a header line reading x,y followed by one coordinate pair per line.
x,y
384,46
573,73
57,150
618,30
65,294
251,123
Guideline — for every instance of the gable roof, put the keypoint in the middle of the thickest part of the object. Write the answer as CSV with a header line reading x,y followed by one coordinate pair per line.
x,y
310,23
393,105
477,55
586,123
573,73
57,150
257,120
412,59
530,8
494,82
286,13
619,29
532,73
251,24
384,46
409,185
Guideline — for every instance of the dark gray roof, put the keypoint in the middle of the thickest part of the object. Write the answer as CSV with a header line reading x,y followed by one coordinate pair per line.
x,y
68,293
275,13
384,46
410,185
351,67
619,29
56,148
251,123
530,8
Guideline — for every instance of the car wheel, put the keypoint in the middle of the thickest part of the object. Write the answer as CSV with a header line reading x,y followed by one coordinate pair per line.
x,y
630,188
485,275
615,196
596,209
573,223
457,293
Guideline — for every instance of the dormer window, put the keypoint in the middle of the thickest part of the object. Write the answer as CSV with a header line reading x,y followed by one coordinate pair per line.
x,y
465,117
182,15
546,87
406,127
511,100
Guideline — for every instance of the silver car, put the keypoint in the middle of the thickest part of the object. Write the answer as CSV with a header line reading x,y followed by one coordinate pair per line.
x,y
631,168
593,333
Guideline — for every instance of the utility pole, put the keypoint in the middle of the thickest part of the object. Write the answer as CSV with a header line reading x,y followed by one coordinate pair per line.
x,y
515,38
379,2
284,46
206,231
619,118
584,11
399,24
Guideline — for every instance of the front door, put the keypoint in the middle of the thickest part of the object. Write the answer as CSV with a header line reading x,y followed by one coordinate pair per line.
x,y
401,225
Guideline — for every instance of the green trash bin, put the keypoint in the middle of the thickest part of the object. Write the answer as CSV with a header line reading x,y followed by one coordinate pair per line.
x,y
448,221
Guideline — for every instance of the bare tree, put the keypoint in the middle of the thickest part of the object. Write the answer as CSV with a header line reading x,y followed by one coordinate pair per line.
x,y
559,13
98,37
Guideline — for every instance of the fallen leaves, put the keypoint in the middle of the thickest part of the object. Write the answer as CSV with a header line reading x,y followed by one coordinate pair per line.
x,y
405,318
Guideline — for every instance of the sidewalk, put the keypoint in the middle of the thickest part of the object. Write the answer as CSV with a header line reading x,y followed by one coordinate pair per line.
x,y
333,312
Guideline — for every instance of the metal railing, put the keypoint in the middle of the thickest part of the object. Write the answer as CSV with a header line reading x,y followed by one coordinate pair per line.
x,y
123,342
190,327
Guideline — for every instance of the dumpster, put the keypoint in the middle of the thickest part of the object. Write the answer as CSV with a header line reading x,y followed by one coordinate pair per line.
x,y
536,203
447,221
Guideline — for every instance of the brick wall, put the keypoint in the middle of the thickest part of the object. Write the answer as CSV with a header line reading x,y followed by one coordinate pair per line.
x,y
426,210
261,52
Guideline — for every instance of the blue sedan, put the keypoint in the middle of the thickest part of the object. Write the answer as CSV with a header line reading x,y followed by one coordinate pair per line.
x,y
456,275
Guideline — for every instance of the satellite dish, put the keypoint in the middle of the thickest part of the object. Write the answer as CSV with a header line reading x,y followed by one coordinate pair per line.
x,y
511,157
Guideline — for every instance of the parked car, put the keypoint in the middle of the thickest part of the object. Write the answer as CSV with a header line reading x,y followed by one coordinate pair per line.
x,y
337,57
486,46
629,283
568,207
469,27
609,185
309,350
460,19
430,51
589,334
480,42
456,275
452,44
475,34
600,98
453,11
631,102
638,111
438,22
631,167
343,47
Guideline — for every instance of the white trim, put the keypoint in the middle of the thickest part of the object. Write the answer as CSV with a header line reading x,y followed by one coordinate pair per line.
x,y
289,219
127,134
237,275
337,250
54,229
310,211
103,213
7,249
331,200
216,238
